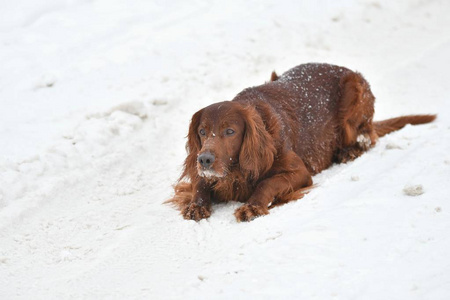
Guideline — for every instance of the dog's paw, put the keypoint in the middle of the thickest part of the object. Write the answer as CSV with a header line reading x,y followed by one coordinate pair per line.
x,y
349,154
364,141
248,212
195,212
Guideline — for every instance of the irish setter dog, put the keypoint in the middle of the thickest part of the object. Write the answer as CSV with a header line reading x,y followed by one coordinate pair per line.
x,y
263,147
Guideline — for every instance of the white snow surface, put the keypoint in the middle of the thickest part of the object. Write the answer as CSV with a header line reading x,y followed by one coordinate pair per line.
x,y
96,98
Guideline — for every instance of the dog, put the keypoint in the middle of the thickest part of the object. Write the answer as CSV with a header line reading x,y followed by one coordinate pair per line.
x,y
263,147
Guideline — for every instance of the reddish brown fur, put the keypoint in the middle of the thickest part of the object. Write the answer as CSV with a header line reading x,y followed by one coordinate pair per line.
x,y
273,76
270,139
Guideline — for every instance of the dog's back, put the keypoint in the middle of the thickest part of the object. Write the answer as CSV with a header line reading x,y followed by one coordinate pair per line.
x,y
306,100
325,113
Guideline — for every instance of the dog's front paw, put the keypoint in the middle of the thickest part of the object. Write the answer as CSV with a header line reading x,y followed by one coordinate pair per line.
x,y
195,212
248,212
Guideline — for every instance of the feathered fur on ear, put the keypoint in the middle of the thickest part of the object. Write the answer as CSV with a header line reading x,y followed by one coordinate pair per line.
x,y
258,150
193,147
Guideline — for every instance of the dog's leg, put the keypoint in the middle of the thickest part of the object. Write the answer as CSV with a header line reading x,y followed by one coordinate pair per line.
x,y
290,176
200,205
296,195
356,108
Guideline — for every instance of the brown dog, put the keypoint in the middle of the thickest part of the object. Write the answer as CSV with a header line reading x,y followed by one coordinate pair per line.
x,y
262,147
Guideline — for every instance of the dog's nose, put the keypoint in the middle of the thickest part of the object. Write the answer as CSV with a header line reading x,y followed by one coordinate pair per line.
x,y
206,159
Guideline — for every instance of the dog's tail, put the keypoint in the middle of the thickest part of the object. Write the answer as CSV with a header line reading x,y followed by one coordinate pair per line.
x,y
386,126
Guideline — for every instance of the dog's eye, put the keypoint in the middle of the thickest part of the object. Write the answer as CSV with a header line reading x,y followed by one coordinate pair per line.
x,y
229,131
202,132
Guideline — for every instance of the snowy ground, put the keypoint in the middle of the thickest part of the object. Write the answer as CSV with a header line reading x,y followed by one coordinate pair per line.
x,y
96,98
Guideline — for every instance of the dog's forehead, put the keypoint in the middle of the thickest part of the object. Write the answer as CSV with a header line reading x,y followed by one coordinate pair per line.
x,y
220,108
221,112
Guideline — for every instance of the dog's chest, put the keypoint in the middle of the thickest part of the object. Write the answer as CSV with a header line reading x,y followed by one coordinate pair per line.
x,y
224,191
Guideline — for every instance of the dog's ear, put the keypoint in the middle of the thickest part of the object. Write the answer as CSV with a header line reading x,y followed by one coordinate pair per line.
x,y
258,150
274,76
193,147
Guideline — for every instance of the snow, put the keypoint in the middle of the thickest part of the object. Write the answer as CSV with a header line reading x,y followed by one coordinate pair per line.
x,y
413,190
96,98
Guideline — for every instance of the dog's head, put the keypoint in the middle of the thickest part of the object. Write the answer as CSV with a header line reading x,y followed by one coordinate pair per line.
x,y
225,137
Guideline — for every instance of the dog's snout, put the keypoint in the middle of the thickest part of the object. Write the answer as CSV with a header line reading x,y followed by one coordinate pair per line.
x,y
206,159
